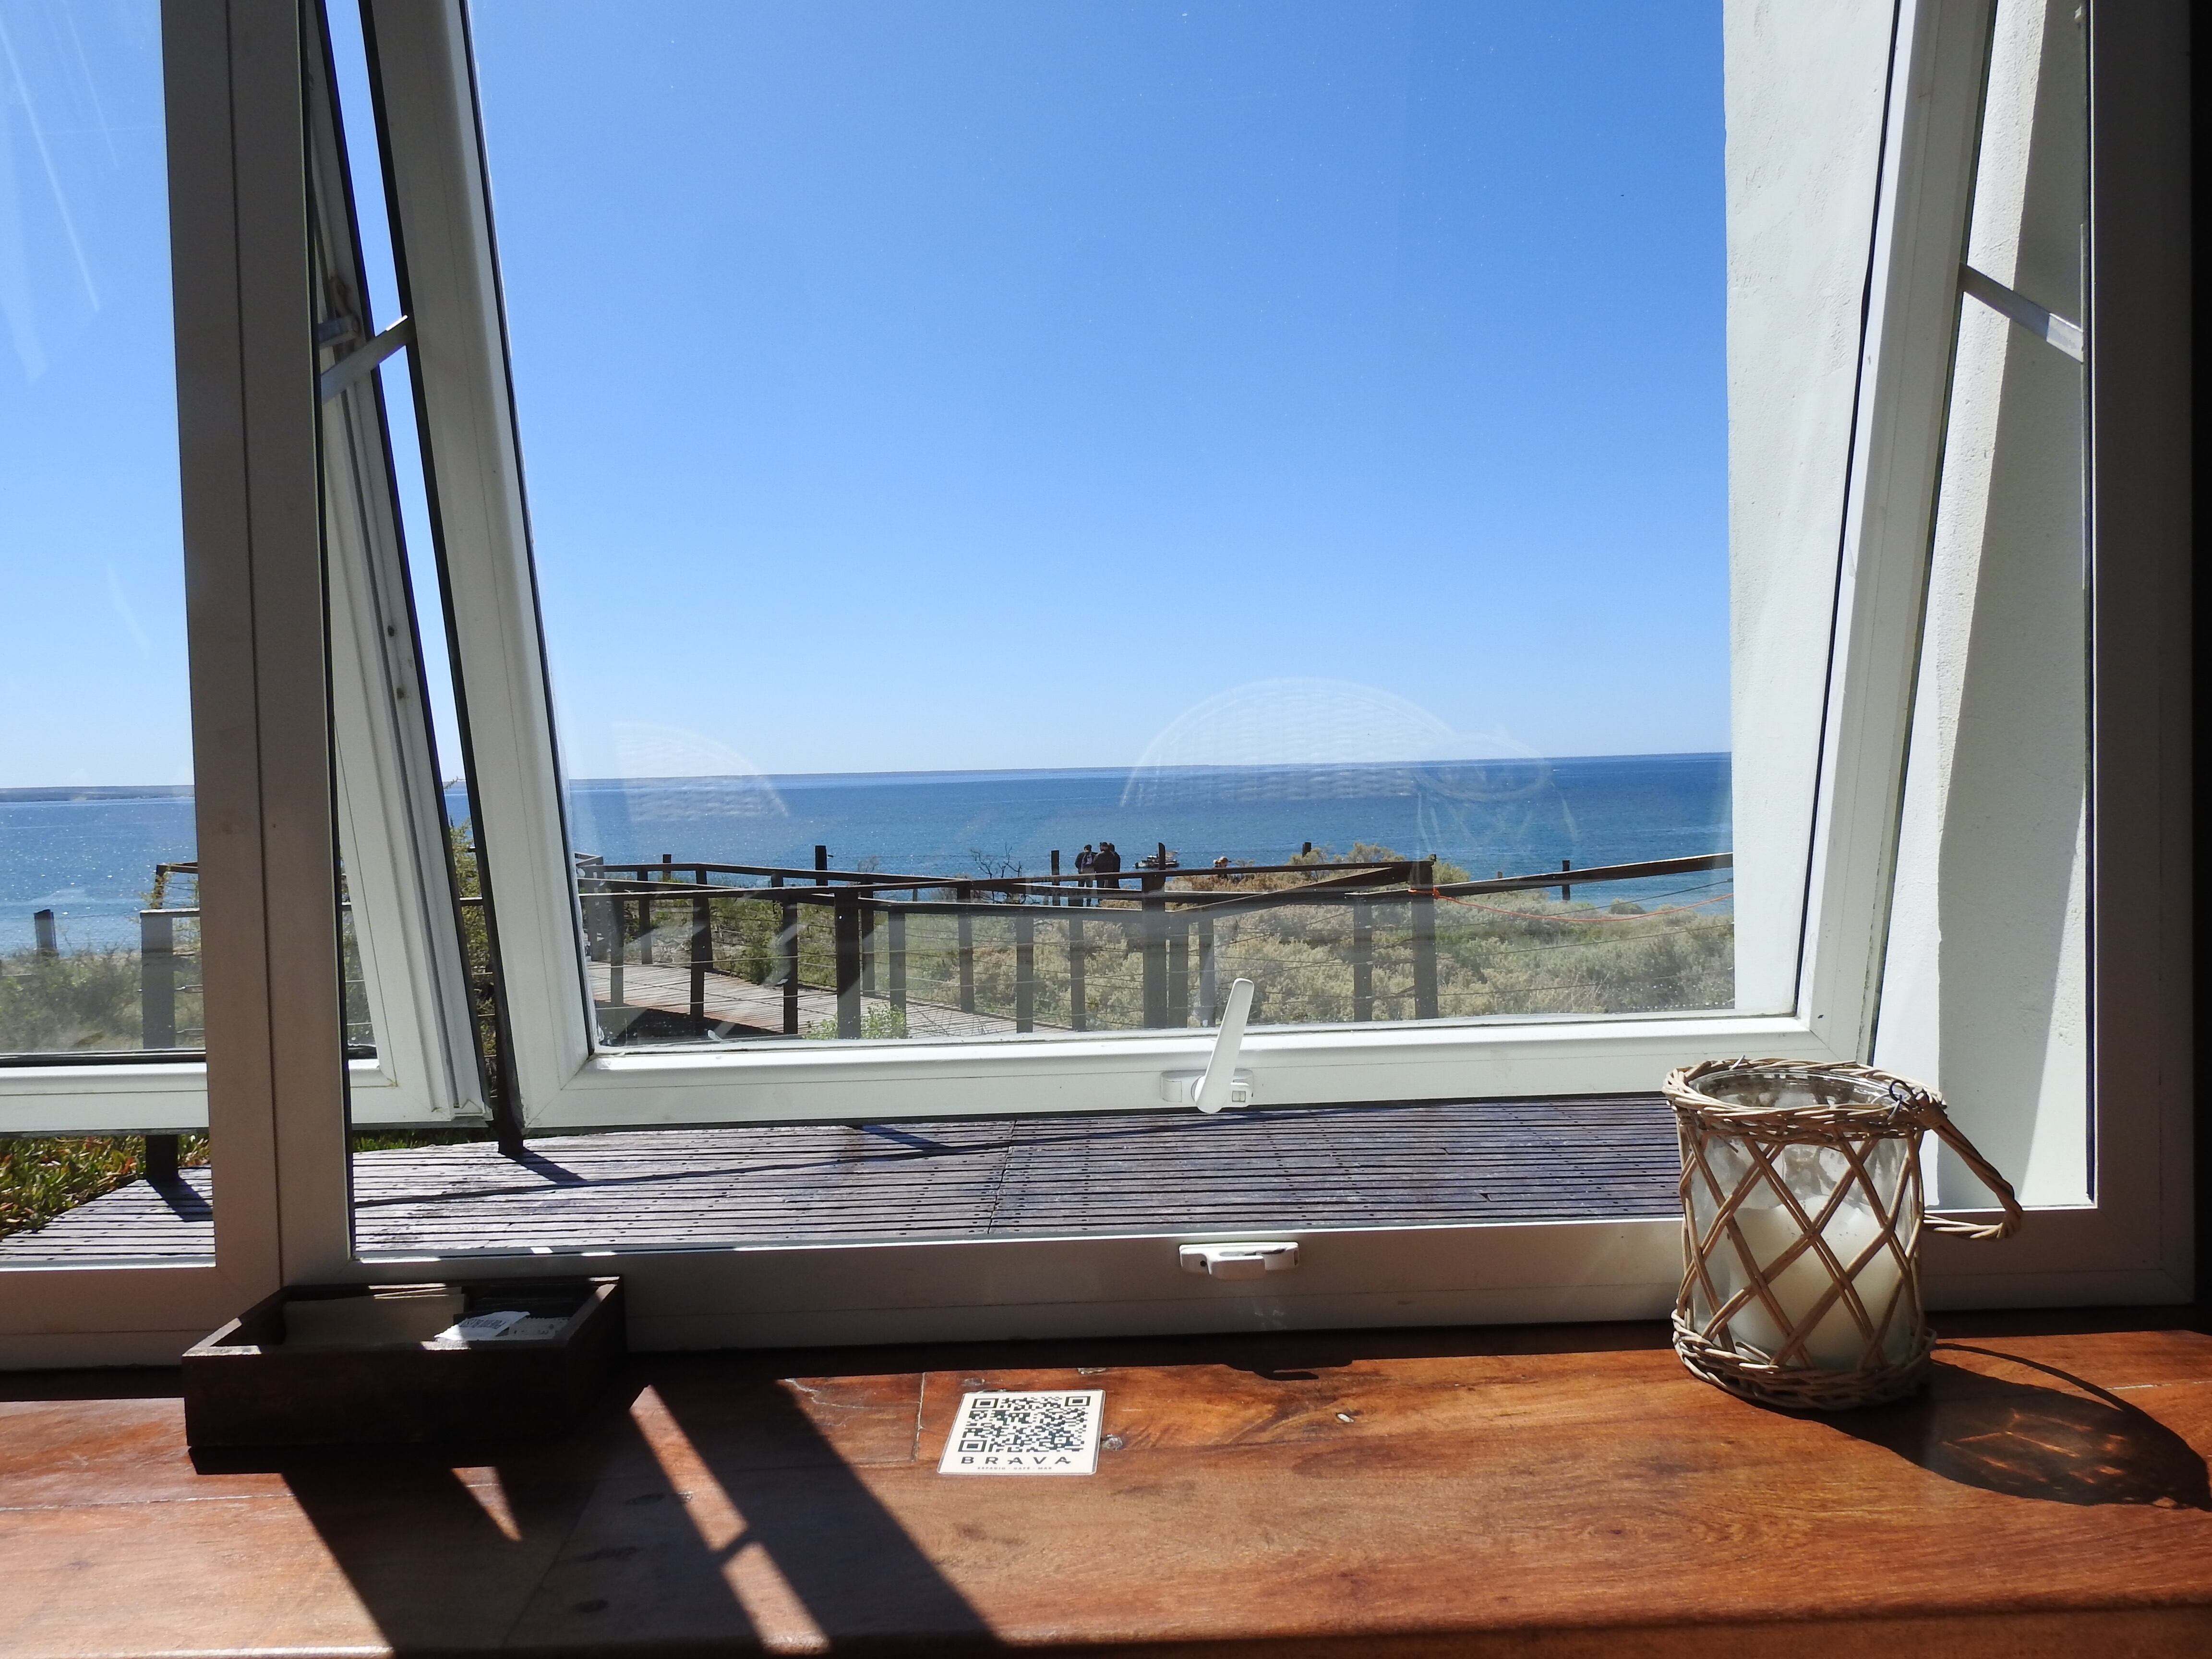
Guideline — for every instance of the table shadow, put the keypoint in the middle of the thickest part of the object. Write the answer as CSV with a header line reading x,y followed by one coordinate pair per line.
x,y
2079,1445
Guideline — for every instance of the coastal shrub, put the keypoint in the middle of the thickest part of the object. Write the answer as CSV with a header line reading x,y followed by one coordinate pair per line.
x,y
79,1000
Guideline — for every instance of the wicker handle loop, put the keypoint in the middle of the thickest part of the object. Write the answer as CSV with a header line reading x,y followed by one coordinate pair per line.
x,y
1928,1113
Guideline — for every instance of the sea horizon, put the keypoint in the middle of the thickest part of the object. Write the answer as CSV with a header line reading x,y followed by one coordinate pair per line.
x,y
980,773
88,852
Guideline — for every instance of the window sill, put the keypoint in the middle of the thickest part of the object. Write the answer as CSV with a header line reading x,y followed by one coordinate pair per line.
x,y
1568,1490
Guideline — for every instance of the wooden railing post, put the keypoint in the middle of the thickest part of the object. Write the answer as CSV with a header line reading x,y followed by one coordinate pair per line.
x,y
617,948
966,950
598,915
896,931
1566,891
1151,941
845,925
868,945
1363,959
157,980
1178,1009
786,957
702,954
1424,940
1209,987
1056,898
1078,1007
46,940
1024,970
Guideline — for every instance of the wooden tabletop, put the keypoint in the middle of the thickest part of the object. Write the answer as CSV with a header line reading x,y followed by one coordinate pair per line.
x,y
1557,1490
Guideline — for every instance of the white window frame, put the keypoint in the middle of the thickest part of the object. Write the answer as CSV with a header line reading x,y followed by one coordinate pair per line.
x,y
281,1156
1817,1003
275,1082
426,1070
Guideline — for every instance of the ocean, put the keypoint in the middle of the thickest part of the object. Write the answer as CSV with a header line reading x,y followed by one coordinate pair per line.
x,y
88,855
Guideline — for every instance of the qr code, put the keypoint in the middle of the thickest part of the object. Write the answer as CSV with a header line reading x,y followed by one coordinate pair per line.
x,y
1042,1433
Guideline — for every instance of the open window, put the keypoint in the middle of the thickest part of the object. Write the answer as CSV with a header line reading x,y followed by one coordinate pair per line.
x,y
961,438
1215,396
105,1029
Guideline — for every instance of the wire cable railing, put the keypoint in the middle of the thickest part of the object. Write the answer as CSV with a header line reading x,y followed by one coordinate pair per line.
x,y
663,914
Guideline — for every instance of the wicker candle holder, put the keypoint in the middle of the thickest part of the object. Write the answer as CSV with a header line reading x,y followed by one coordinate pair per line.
x,y
1802,1208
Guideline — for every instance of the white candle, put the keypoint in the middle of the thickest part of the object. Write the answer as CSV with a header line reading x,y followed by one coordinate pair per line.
x,y
1835,1343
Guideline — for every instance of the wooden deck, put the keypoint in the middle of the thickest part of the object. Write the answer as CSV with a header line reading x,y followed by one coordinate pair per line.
x,y
1291,1168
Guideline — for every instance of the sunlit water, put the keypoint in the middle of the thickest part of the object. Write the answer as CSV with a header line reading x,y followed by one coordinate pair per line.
x,y
89,856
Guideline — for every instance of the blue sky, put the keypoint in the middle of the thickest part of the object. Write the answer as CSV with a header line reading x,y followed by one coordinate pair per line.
x,y
981,385
93,674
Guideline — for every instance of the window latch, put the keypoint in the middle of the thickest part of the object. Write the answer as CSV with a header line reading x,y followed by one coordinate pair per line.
x,y
1238,1261
1220,1084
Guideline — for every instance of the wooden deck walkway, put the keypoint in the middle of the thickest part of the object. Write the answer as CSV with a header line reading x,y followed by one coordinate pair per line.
x,y
758,1010
1287,1168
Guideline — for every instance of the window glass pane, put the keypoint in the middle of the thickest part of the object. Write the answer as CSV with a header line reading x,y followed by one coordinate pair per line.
x,y
97,822
99,899
1261,445
1985,992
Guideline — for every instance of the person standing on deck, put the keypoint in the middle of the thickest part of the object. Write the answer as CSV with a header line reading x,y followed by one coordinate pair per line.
x,y
1107,865
1085,861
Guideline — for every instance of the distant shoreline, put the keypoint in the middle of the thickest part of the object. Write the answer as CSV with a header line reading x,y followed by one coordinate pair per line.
x,y
982,774
100,792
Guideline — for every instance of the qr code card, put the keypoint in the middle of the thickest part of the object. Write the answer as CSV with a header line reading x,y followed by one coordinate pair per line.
x,y
1043,1433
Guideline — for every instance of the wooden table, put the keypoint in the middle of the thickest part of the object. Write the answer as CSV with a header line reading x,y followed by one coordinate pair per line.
x,y
1560,1491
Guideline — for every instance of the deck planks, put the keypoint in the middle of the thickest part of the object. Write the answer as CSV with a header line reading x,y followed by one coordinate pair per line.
x,y
1292,1168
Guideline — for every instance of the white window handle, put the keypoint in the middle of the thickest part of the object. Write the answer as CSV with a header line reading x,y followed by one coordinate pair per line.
x,y
1220,1084
1239,1261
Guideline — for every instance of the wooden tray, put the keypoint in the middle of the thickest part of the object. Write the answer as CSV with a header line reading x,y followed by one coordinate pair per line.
x,y
246,1385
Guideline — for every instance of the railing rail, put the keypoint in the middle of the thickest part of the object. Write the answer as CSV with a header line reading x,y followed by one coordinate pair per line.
x,y
1165,925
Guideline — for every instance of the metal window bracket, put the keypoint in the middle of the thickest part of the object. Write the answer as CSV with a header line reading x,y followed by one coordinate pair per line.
x,y
355,365
2046,325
